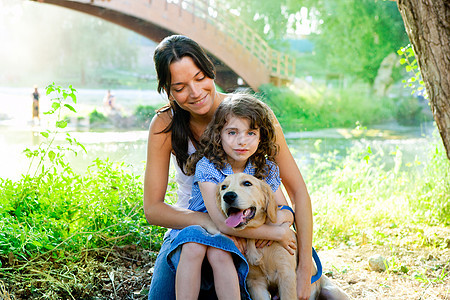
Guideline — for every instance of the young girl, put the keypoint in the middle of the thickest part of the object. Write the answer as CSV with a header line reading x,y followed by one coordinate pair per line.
x,y
240,138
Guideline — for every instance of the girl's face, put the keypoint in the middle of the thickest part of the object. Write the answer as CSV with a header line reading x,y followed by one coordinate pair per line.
x,y
239,141
191,88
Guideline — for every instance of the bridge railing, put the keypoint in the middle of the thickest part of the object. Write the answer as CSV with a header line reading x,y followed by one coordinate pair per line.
x,y
280,65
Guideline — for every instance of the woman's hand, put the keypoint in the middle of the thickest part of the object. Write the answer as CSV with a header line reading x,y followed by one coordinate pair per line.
x,y
303,285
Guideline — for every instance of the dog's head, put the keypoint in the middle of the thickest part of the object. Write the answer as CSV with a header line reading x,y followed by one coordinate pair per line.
x,y
246,201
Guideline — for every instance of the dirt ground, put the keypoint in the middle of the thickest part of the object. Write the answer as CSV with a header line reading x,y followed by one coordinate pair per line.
x,y
414,272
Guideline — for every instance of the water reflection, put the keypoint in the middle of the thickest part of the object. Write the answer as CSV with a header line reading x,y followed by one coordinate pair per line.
x,y
130,146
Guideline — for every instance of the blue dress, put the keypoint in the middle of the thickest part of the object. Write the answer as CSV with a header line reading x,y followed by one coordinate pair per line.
x,y
207,172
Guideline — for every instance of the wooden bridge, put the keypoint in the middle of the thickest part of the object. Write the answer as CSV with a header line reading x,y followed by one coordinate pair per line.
x,y
236,49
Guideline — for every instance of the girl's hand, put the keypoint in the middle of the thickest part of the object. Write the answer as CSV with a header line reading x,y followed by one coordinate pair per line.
x,y
209,226
240,243
287,238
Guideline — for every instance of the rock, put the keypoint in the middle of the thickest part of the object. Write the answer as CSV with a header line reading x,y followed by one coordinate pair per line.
x,y
378,263
384,76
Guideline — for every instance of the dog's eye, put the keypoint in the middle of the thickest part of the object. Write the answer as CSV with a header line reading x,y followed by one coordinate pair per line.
x,y
223,187
247,183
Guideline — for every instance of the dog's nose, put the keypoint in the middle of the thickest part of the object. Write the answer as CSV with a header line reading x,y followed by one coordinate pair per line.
x,y
229,197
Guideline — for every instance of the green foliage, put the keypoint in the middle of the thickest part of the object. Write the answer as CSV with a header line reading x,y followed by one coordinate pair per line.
x,y
86,47
96,117
65,213
431,200
47,151
60,212
363,196
357,35
313,107
144,114
268,18
409,112
415,82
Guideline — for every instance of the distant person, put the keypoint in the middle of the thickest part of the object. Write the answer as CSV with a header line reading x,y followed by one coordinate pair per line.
x,y
109,101
35,97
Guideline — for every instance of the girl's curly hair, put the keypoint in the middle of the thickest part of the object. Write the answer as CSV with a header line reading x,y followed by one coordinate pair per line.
x,y
244,106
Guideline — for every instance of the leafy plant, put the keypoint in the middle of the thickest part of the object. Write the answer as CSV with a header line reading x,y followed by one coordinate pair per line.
x,y
415,82
47,150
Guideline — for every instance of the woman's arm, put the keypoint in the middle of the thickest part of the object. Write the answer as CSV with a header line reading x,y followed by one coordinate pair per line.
x,y
296,188
279,233
156,210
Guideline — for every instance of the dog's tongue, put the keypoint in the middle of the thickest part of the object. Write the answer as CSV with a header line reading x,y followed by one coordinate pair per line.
x,y
236,218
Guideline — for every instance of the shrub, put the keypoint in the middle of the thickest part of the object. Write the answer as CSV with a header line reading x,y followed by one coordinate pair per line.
x,y
409,112
144,114
315,107
96,117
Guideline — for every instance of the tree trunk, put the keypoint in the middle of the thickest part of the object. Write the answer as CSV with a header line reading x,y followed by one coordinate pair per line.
x,y
427,24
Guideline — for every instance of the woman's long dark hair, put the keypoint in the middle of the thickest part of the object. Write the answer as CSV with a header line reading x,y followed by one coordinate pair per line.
x,y
243,106
173,49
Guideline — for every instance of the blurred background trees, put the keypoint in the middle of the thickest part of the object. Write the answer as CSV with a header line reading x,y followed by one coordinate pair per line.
x,y
349,37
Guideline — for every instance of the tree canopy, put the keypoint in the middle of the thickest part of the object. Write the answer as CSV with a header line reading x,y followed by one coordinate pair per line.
x,y
352,36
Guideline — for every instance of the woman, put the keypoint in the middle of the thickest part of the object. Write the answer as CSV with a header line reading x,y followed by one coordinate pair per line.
x,y
187,76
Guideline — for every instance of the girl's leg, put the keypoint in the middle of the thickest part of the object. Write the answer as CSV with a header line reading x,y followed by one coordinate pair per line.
x,y
226,280
189,271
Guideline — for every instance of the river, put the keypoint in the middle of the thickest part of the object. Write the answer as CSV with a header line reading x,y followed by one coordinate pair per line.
x,y
17,132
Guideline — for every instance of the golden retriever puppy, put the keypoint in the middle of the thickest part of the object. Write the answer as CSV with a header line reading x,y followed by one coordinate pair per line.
x,y
249,202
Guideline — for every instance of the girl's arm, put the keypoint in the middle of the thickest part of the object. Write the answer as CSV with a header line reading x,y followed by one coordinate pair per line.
x,y
298,193
279,233
156,210
283,216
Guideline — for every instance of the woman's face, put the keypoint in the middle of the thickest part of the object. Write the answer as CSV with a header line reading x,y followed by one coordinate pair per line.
x,y
190,87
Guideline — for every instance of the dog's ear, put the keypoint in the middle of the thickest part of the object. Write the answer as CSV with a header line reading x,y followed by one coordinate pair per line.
x,y
219,199
271,205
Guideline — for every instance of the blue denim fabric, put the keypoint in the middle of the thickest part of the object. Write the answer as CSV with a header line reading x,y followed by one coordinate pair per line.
x,y
162,286
198,234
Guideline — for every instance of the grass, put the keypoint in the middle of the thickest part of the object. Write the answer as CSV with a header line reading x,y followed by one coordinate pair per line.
x,y
357,200
56,217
